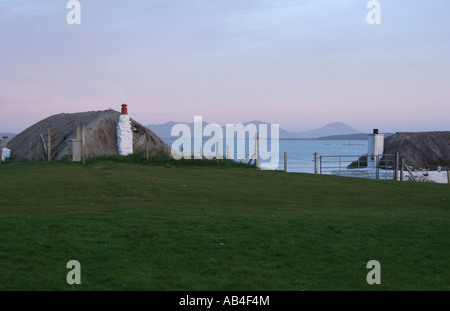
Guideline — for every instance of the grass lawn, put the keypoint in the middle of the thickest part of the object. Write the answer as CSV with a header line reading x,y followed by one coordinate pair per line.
x,y
156,227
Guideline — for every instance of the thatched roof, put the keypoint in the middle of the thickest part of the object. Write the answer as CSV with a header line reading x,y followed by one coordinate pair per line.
x,y
101,135
420,150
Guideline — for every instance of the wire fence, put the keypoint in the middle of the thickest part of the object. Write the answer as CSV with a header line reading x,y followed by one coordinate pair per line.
x,y
367,166
296,163
363,166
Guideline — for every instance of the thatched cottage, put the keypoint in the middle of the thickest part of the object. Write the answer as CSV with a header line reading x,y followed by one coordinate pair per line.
x,y
101,135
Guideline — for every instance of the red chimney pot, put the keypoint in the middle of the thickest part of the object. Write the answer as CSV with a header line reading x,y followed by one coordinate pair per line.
x,y
124,109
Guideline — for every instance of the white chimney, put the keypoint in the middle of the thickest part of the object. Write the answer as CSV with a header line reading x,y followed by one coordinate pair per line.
x,y
124,133
375,148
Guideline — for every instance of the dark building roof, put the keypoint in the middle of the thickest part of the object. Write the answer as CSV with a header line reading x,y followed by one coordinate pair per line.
x,y
101,135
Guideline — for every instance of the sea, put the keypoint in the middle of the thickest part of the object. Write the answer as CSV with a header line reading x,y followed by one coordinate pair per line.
x,y
300,153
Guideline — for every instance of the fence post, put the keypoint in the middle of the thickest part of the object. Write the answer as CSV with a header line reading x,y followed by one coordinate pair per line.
x,y
316,160
377,166
401,169
1,151
359,164
49,153
146,148
228,152
448,175
44,148
396,166
217,152
256,149
285,162
320,158
83,144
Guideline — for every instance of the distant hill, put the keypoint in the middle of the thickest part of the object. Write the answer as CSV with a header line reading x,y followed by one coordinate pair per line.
x,y
360,136
337,128
164,130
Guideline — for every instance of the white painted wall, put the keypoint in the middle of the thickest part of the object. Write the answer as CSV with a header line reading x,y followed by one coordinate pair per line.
x,y
375,147
124,135
6,153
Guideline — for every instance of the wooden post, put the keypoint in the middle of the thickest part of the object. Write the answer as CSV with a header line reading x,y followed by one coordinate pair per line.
x,y
320,159
396,166
49,149
228,152
285,162
217,152
146,148
448,175
411,173
201,152
401,168
83,144
44,148
1,151
316,160
256,149
377,161
251,155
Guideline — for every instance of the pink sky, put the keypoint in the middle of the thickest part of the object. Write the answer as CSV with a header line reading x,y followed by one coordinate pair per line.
x,y
301,64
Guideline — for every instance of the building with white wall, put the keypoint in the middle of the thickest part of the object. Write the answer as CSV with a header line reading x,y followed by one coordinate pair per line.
x,y
375,148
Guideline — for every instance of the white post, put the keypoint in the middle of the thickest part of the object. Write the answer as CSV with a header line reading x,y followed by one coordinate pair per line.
x,y
83,144
217,152
256,149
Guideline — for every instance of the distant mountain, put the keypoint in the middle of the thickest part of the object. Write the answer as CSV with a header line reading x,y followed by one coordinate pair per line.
x,y
164,130
337,128
360,136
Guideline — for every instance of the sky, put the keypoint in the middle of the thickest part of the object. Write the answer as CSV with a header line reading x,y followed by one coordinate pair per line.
x,y
298,63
